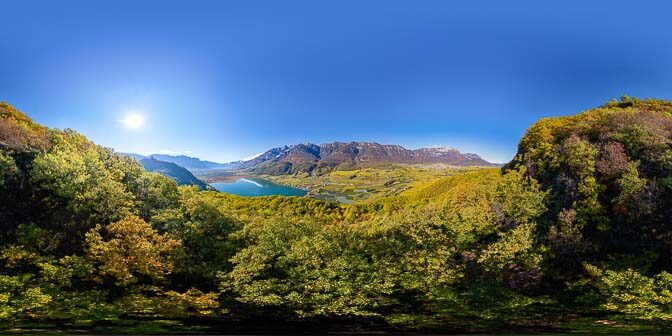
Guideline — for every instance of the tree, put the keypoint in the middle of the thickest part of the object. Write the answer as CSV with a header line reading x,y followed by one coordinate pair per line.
x,y
204,230
129,251
631,293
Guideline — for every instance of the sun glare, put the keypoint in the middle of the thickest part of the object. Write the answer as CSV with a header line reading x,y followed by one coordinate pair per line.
x,y
133,121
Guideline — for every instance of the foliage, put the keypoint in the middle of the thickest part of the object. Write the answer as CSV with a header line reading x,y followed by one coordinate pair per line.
x,y
632,293
18,132
579,221
18,300
129,249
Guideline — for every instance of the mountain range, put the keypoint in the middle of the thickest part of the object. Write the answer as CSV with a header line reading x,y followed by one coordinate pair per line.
x,y
318,159
190,163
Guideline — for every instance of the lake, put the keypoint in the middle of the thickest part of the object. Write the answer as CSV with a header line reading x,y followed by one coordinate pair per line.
x,y
256,187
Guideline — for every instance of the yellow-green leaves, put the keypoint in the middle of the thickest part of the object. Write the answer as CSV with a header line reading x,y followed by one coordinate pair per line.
x,y
87,176
515,247
129,249
20,299
635,294
519,199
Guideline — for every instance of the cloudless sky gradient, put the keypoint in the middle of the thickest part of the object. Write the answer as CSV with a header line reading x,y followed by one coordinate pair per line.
x,y
222,80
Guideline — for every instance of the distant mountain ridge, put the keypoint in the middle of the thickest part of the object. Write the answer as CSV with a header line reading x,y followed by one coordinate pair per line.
x,y
180,174
317,159
190,163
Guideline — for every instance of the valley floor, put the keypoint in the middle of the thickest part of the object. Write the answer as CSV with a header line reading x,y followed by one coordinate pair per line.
x,y
220,175
348,186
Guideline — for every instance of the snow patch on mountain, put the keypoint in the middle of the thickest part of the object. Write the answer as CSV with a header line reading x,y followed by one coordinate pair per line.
x,y
252,157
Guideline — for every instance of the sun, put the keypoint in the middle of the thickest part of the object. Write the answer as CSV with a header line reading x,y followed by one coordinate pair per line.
x,y
133,121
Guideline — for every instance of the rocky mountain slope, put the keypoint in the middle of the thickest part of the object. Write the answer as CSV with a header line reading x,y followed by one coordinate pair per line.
x,y
317,159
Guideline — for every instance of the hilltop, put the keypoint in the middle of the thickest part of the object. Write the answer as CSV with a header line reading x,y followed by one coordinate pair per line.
x,y
180,174
18,131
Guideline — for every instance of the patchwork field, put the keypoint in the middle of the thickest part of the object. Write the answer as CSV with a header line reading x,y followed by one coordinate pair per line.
x,y
368,183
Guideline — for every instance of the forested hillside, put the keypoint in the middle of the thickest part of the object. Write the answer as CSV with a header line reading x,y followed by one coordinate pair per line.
x,y
181,175
576,230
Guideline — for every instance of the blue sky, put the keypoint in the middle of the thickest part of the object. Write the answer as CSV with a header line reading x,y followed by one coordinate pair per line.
x,y
223,80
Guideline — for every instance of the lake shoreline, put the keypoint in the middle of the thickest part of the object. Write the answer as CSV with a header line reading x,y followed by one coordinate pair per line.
x,y
255,186
225,176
